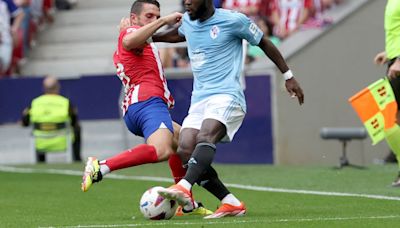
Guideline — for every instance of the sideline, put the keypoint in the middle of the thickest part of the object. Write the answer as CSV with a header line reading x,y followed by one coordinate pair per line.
x,y
224,222
169,180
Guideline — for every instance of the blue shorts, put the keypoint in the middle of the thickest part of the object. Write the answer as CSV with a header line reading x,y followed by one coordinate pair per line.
x,y
145,117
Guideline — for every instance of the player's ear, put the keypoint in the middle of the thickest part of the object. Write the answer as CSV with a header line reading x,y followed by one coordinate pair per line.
x,y
133,18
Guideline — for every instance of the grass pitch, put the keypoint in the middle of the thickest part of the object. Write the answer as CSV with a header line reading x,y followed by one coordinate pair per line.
x,y
276,196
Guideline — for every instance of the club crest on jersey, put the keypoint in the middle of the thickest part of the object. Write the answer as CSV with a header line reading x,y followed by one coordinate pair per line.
x,y
214,32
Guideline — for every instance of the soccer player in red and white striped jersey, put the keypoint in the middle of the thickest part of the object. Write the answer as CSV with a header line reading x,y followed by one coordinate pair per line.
x,y
147,98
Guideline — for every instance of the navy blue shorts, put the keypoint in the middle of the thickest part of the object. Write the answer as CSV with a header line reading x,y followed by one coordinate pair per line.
x,y
145,117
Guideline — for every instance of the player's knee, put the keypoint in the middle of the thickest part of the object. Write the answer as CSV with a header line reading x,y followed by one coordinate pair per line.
x,y
163,152
205,137
184,152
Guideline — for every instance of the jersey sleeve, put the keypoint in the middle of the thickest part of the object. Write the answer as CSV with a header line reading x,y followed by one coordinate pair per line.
x,y
181,29
247,29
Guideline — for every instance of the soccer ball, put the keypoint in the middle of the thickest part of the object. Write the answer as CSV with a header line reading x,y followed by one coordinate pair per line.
x,y
155,207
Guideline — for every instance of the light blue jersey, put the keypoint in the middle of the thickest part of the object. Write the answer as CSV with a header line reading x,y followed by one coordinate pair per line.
x,y
216,53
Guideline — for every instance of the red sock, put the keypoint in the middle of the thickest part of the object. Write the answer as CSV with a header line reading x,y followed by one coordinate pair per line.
x,y
141,154
177,170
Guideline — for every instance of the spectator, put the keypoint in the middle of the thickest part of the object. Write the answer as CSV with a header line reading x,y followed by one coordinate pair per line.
x,y
248,7
10,22
52,108
288,15
25,25
317,18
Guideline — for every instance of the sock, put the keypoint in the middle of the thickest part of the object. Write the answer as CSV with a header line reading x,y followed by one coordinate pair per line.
x,y
177,170
200,160
392,137
184,183
139,155
104,169
213,184
231,199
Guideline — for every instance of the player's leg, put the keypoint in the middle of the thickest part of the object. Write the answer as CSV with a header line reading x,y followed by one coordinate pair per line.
x,y
218,123
393,134
150,119
230,115
187,139
174,161
230,205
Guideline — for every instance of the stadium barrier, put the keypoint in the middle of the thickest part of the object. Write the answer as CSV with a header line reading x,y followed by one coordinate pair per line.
x,y
97,98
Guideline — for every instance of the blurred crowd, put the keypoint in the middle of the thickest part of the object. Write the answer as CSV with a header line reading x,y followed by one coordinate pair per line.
x,y
277,18
20,22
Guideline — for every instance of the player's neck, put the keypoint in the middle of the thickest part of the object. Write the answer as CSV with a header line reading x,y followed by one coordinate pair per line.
x,y
207,14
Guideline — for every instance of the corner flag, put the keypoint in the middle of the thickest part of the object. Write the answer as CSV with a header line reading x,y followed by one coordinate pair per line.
x,y
376,106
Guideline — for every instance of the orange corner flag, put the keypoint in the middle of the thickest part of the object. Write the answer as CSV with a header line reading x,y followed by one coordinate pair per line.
x,y
376,106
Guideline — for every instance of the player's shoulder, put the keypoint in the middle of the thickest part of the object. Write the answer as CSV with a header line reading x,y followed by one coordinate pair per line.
x,y
230,16
129,29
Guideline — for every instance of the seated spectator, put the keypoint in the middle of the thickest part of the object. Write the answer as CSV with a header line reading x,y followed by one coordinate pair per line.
x,y
52,108
248,7
317,18
22,49
288,15
10,23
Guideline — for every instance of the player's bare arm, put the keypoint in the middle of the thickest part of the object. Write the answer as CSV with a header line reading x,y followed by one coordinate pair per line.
x,y
169,36
292,86
137,39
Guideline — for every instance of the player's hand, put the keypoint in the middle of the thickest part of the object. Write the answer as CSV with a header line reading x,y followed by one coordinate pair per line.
x,y
173,18
380,58
394,70
124,23
294,89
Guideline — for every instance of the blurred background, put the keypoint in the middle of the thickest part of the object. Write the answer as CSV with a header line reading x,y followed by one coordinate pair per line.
x,y
329,47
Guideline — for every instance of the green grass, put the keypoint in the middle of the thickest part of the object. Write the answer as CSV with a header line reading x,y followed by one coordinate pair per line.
x,y
54,200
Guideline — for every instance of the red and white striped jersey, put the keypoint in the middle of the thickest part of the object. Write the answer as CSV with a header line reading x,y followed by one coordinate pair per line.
x,y
141,73
234,4
290,11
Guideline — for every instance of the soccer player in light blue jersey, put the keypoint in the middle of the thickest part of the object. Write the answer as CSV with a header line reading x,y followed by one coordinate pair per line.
x,y
214,39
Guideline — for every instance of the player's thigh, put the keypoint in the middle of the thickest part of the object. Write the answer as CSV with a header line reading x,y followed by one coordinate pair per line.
x,y
211,131
162,140
229,115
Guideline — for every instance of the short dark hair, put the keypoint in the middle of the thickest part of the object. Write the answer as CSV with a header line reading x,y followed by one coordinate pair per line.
x,y
138,5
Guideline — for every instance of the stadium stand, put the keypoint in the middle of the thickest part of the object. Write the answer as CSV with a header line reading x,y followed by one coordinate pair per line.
x,y
81,41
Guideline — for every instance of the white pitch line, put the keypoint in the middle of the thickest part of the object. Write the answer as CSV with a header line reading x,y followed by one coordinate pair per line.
x,y
169,180
216,222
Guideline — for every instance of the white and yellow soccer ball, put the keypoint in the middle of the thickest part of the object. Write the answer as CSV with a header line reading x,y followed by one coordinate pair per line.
x,y
155,207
